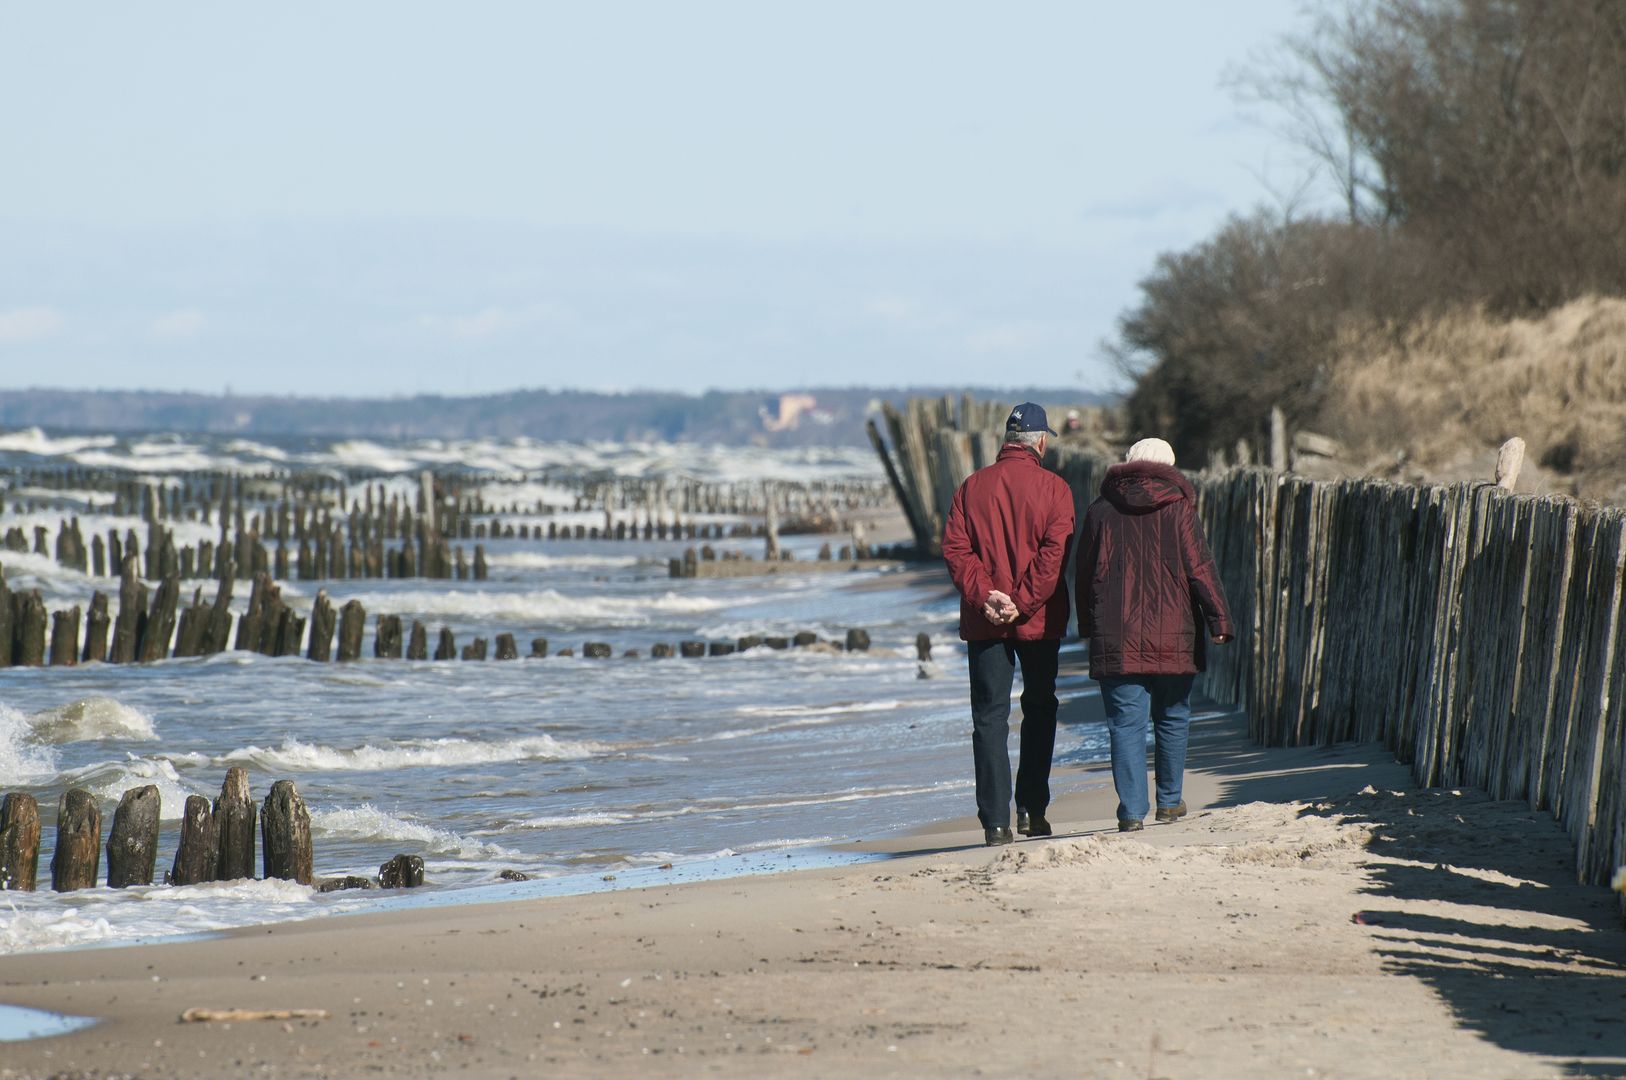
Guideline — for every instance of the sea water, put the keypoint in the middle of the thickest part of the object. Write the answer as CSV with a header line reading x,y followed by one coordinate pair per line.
x,y
554,767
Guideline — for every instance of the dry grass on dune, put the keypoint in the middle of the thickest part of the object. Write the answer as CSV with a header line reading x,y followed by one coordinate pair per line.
x,y
1445,392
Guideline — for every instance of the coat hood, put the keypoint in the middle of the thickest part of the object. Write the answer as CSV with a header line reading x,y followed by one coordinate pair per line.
x,y
1139,487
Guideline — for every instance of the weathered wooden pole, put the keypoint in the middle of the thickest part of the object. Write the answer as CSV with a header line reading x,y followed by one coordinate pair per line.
x,y
507,648
78,841
857,640
128,625
446,645
539,647
19,842
475,650
8,617
352,624
65,637
322,622
1278,439
418,642
160,627
387,637
96,627
198,855
285,833
218,630
234,815
29,647
1509,460
132,844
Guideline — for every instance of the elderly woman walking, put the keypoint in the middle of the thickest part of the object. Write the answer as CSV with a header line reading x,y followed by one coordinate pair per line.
x,y
1148,597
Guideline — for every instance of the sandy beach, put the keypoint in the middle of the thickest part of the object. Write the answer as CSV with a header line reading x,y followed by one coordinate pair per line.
x,y
1315,916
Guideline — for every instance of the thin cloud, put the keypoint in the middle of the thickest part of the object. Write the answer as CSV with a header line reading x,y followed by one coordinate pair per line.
x,y
21,325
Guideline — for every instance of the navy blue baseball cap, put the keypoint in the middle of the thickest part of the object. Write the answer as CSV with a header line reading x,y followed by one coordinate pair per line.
x,y
1028,417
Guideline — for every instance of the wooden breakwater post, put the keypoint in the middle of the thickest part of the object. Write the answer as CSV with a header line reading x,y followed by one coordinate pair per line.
x,y
285,826
97,623
19,842
65,637
352,625
233,820
132,845
322,624
78,841
197,856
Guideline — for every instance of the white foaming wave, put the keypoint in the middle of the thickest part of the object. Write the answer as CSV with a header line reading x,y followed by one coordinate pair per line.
x,y
367,822
543,606
535,560
425,753
799,716
362,453
34,441
254,449
884,705
851,795
23,759
154,458
109,780
571,821
36,922
92,718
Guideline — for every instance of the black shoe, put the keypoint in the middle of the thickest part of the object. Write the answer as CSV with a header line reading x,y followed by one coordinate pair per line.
x,y
1022,821
1033,825
996,837
1172,813
1130,825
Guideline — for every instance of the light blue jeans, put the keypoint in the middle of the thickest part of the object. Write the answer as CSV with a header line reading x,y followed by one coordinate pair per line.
x,y
1131,701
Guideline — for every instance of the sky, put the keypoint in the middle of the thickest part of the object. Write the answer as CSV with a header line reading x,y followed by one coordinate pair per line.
x,y
376,198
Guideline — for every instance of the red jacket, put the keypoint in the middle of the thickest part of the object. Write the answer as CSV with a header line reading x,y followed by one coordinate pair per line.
x,y
1008,529
1144,575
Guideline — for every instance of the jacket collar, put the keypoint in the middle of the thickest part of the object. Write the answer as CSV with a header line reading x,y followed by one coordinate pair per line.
x,y
1017,450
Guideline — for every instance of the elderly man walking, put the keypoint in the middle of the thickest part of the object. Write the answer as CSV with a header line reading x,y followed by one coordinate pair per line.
x,y
1144,579
1005,543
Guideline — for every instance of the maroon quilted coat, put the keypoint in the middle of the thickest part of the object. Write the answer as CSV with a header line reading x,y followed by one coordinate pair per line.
x,y
1008,529
1145,576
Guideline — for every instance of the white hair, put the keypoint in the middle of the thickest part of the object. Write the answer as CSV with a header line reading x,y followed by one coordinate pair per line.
x,y
1151,450
1030,439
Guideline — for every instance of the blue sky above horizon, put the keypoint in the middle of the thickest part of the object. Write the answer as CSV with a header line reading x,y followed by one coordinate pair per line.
x,y
376,198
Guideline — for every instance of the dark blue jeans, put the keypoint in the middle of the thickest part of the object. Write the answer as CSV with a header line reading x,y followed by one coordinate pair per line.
x,y
1132,700
993,668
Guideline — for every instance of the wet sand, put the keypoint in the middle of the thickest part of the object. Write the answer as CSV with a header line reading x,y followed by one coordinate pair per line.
x,y
1314,916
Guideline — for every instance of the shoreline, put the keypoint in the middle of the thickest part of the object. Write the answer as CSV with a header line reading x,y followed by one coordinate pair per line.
x,y
1314,915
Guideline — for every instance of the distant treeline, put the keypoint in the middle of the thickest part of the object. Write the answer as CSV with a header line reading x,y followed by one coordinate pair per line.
x,y
1479,152
820,417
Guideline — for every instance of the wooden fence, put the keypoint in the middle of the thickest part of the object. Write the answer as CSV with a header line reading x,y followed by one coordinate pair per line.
x,y
1474,632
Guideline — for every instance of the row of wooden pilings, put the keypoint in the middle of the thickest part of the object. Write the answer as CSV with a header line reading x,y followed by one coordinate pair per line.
x,y
327,551
446,496
216,841
143,632
325,541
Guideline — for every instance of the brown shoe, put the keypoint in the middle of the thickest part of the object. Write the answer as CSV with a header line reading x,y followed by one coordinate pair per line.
x,y
1130,825
1172,813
